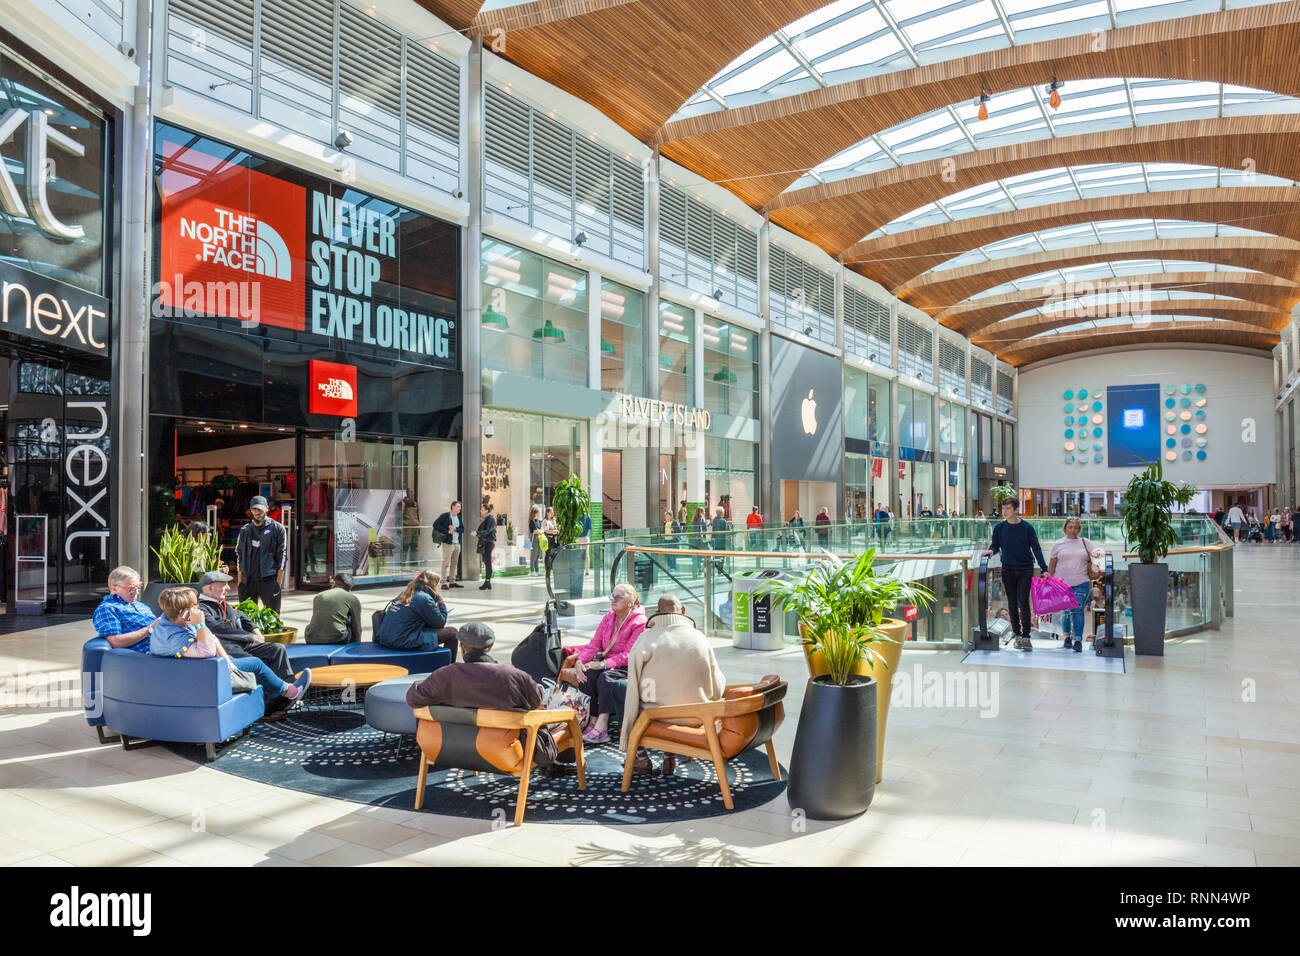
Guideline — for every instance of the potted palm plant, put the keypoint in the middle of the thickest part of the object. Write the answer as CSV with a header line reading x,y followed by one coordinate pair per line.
x,y
839,743
1149,530
572,506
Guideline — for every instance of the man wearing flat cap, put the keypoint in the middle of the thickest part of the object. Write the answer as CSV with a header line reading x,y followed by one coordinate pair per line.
x,y
479,681
234,630
262,557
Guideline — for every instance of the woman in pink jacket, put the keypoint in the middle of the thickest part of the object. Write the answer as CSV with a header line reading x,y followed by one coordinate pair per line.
x,y
608,650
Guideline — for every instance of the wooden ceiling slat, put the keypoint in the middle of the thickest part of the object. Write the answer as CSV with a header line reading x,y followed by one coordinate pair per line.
x,y
977,316
839,213
457,13
1209,333
945,290
895,259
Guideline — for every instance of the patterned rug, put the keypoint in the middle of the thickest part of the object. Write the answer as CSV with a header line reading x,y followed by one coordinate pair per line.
x,y
336,754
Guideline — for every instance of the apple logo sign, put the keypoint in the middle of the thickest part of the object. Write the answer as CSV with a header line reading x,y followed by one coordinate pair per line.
x,y
809,412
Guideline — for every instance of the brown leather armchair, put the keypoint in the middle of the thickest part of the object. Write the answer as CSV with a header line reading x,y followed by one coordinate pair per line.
x,y
487,741
719,730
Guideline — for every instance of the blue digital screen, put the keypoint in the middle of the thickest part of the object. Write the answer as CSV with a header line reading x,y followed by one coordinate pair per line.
x,y
1133,425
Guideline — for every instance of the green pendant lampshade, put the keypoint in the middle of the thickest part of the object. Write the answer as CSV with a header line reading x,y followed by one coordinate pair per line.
x,y
606,347
724,374
665,361
549,331
492,317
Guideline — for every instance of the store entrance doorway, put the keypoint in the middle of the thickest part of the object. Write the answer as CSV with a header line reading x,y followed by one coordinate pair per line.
x,y
808,498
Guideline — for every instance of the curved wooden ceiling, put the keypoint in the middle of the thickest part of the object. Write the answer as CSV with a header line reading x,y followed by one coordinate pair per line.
x,y
948,289
979,316
1010,333
840,213
760,150
894,259
639,61
1207,333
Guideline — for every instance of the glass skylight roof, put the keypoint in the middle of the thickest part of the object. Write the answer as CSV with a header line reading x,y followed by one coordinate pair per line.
x,y
1067,184
1121,300
1114,321
1024,115
851,39
1086,234
1106,272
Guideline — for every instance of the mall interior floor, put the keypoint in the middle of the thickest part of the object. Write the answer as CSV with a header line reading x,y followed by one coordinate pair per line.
x,y
1192,759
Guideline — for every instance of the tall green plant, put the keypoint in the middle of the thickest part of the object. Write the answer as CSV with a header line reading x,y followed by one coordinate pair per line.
x,y
1148,512
175,553
572,505
841,607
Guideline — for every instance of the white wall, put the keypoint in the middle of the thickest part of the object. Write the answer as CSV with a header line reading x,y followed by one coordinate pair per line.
x,y
1239,386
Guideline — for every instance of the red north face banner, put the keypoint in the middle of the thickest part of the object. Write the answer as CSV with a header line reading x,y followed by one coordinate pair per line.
x,y
333,389
231,233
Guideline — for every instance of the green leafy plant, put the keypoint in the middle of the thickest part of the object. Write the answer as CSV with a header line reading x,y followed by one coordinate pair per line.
x,y
265,619
1148,512
572,505
841,607
1004,493
207,553
175,554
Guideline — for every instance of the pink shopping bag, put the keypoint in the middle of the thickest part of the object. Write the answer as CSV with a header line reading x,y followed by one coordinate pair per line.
x,y
1048,594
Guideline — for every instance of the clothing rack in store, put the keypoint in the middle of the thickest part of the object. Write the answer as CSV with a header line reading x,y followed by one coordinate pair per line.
x,y
250,472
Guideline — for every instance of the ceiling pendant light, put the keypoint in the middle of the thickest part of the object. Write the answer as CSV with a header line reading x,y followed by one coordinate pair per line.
x,y
1054,95
492,317
607,347
983,112
724,374
549,331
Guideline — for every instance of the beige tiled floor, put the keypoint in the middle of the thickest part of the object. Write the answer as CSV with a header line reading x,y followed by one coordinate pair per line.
x,y
1164,765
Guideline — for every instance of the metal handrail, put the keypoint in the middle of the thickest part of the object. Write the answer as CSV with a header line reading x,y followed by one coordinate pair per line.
x,y
787,555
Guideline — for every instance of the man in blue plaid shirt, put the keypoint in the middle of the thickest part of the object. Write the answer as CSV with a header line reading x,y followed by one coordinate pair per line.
x,y
122,619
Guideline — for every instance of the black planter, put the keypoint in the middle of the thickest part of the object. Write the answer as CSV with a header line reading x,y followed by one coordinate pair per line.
x,y
1148,586
833,765
154,588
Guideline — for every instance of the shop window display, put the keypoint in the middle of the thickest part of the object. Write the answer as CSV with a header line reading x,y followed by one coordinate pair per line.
x,y
676,354
730,369
622,350
534,316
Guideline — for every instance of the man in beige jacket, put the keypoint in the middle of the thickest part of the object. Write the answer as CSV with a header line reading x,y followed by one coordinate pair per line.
x,y
672,663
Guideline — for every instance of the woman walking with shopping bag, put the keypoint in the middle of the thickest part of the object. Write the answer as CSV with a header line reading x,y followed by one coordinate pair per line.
x,y
1071,561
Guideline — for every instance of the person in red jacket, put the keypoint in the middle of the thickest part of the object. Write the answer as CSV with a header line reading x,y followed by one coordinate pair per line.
x,y
755,524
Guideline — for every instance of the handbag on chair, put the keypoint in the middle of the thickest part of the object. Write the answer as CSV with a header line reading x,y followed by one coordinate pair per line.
x,y
565,696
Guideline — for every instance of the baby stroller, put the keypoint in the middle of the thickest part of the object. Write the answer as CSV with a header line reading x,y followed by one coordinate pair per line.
x,y
1253,530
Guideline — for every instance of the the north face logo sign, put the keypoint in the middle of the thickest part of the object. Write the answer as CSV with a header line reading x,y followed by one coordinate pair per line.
x,y
337,388
239,241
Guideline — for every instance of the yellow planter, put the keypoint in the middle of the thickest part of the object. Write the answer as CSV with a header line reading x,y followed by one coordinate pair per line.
x,y
892,653
287,636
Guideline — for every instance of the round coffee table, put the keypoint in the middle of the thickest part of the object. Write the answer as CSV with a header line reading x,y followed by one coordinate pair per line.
x,y
338,685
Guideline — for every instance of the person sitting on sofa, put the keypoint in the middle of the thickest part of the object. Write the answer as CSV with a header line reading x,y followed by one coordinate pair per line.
x,y
122,618
479,681
181,632
617,632
673,663
233,628
416,620
335,614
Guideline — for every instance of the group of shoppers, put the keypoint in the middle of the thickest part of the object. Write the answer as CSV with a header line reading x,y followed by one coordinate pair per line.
x,y
1278,525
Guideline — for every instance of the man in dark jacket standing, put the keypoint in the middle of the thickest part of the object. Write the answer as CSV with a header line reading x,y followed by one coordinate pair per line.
x,y
262,557
447,529
1017,540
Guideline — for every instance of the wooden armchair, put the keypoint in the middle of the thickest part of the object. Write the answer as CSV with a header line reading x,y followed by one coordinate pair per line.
x,y
487,741
718,730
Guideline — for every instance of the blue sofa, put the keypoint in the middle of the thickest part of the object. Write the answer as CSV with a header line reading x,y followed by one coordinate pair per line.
x,y
365,652
141,697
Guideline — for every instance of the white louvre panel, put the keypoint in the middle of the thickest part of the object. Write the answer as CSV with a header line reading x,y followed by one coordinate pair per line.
x,y
322,66
507,155
915,350
1006,401
102,16
802,297
862,326
702,249
981,380
432,118
952,367
591,181
297,66
210,50
370,87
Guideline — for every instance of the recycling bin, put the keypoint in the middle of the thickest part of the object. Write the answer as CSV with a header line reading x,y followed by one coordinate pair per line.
x,y
757,625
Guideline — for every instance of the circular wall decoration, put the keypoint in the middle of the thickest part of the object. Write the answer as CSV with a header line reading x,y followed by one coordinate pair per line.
x,y
1069,407
1185,416
1069,394
1169,390
1201,429
1069,433
1069,419
1185,429
1096,459
1069,446
1186,389
1170,402
1200,403
1201,442
1200,389
1169,416
1187,456
1187,443
1200,456
1171,429
1185,402
1096,406
1096,419
1200,414
1171,456
1097,447
1096,394
1171,442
